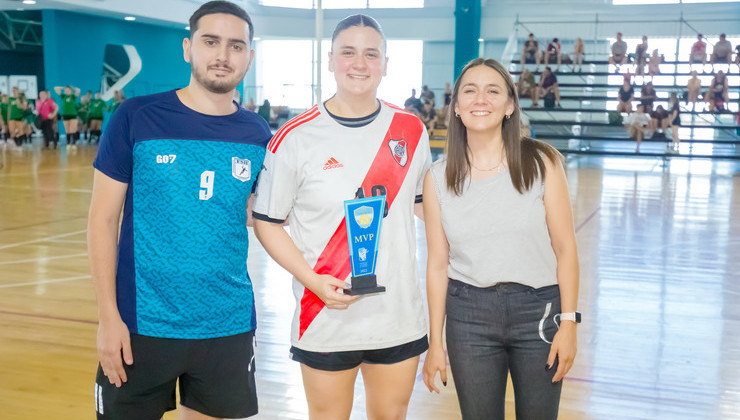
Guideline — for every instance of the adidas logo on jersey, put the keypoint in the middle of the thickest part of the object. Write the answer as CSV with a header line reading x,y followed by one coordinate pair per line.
x,y
332,164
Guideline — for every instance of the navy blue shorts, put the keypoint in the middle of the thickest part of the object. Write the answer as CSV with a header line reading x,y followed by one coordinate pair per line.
x,y
344,360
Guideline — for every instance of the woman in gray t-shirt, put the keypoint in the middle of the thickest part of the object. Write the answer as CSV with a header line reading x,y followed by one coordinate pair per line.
x,y
502,269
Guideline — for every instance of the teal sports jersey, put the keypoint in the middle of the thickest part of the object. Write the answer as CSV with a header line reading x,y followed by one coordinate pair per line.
x,y
182,270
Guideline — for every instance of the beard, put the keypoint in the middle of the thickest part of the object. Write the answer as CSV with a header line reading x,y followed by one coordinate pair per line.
x,y
217,85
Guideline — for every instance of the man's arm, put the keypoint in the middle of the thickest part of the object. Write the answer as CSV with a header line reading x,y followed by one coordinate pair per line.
x,y
102,242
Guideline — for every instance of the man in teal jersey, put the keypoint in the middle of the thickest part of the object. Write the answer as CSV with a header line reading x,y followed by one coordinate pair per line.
x,y
175,301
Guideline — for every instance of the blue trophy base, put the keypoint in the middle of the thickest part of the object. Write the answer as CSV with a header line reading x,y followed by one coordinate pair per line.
x,y
364,285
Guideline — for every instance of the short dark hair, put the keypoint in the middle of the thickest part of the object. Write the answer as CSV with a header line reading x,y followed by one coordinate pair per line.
x,y
357,20
219,6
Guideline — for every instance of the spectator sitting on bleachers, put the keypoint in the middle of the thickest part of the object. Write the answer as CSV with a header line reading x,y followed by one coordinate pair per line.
x,y
693,89
654,63
526,84
548,84
647,97
619,52
579,52
717,95
641,55
531,52
427,95
737,54
413,101
427,114
625,96
722,51
698,51
637,125
553,53
448,94
656,120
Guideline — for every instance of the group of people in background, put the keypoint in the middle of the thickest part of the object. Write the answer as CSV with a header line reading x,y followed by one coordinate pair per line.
x,y
424,107
552,54
721,54
80,116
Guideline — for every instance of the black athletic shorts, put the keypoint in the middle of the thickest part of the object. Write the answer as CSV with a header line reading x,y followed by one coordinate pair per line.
x,y
216,378
69,117
343,360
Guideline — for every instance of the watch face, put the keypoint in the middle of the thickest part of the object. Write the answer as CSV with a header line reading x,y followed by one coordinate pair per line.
x,y
578,317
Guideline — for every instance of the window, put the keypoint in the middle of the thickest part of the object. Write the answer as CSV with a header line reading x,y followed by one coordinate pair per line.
x,y
285,72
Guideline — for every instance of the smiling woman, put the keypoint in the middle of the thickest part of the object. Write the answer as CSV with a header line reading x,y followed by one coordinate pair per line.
x,y
499,224
352,145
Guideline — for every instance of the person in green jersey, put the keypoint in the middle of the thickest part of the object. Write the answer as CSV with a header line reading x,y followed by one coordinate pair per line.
x,y
17,105
29,120
3,118
85,127
83,116
97,107
68,112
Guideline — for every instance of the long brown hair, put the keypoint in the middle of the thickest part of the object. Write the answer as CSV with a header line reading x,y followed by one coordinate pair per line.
x,y
523,154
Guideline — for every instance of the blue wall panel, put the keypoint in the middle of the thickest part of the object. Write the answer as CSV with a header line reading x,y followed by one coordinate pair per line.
x,y
74,45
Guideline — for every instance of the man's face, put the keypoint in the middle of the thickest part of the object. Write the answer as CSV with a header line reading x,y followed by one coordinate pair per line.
x,y
219,52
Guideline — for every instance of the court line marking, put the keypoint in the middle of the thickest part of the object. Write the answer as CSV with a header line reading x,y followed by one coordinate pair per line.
x,y
58,257
42,316
48,222
588,219
28,188
35,283
68,241
48,238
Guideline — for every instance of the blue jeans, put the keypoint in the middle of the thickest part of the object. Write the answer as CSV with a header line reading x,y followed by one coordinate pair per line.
x,y
496,330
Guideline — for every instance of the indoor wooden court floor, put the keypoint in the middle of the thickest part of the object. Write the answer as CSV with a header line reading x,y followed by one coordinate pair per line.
x,y
659,249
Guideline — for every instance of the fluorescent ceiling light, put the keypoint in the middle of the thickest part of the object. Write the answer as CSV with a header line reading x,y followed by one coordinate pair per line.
x,y
29,1
130,18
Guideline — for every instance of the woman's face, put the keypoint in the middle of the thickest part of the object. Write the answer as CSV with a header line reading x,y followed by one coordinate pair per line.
x,y
358,61
483,99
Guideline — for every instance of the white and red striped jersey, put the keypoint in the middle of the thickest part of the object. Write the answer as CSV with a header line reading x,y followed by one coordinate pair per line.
x,y
313,165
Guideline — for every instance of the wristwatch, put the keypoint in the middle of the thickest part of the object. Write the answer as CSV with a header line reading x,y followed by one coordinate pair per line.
x,y
571,316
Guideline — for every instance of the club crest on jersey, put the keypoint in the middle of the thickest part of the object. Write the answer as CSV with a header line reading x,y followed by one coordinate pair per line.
x,y
364,216
398,150
241,169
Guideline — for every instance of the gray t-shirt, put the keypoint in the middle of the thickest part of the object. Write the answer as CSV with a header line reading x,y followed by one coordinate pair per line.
x,y
496,234
722,48
619,48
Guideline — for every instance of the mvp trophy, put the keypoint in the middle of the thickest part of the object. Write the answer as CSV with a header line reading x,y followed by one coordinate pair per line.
x,y
364,217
